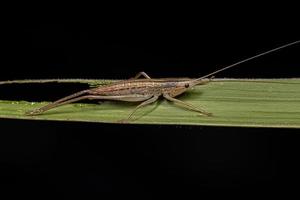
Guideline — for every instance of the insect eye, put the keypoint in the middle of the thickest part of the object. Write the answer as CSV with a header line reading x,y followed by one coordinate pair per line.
x,y
187,85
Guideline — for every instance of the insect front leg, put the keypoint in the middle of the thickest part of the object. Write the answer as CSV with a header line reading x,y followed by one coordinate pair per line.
x,y
186,105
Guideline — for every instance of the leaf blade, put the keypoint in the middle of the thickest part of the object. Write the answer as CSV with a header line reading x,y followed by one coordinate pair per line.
x,y
233,102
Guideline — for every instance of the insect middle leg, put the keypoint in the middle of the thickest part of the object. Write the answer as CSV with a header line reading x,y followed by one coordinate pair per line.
x,y
186,105
149,101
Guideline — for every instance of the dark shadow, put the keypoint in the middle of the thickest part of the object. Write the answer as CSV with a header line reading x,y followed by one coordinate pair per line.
x,y
39,91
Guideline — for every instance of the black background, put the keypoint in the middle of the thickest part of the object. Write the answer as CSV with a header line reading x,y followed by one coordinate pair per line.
x,y
84,50
96,160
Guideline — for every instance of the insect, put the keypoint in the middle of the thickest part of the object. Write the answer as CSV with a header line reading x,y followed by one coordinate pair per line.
x,y
146,90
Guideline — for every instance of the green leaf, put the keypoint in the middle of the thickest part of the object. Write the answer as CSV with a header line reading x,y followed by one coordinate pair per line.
x,y
233,102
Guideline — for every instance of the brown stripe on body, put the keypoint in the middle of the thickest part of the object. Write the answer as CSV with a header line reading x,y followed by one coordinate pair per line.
x,y
141,87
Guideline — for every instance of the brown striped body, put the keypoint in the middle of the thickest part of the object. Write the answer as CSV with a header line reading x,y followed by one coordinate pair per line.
x,y
133,90
143,87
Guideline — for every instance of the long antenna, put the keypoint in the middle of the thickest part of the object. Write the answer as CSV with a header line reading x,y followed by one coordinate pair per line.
x,y
251,58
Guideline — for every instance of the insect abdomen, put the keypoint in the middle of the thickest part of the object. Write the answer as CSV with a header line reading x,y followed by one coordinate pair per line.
x,y
127,88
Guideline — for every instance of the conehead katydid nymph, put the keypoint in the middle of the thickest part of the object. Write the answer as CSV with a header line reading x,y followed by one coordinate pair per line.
x,y
147,90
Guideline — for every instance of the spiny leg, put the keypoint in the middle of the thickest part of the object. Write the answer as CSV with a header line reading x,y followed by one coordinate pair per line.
x,y
186,105
141,74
